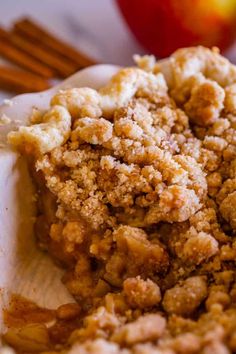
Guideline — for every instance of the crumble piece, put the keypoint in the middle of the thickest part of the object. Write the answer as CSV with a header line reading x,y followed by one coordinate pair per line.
x,y
45,136
205,103
228,209
141,293
98,346
80,102
149,327
4,120
187,296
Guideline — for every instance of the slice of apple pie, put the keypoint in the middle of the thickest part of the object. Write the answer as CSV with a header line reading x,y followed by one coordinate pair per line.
x,y
137,201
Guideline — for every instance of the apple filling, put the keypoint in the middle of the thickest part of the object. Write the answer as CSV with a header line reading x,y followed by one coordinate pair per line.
x,y
136,200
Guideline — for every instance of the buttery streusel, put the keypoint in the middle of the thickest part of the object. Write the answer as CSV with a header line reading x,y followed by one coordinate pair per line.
x,y
137,200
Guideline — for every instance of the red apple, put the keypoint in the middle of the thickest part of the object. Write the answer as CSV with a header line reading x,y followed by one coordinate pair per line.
x,y
162,26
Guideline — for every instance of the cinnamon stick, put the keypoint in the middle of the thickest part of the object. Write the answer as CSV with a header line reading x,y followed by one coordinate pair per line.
x,y
8,51
59,65
34,31
21,81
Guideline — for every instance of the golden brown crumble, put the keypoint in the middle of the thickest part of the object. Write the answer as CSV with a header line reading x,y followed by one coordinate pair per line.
x,y
137,201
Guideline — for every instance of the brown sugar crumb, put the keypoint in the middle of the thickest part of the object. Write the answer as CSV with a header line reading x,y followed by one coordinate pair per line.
x,y
199,248
141,293
98,346
187,296
228,209
230,99
137,198
147,328
93,131
205,103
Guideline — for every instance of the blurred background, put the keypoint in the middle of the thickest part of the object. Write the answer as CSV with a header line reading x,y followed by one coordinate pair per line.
x,y
101,31
95,27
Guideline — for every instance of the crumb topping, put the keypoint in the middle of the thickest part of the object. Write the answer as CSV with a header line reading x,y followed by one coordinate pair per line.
x,y
137,201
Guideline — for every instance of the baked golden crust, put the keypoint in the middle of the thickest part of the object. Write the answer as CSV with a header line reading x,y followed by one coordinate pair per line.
x,y
137,191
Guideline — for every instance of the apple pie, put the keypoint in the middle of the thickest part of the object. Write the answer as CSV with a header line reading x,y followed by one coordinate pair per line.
x,y
136,190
